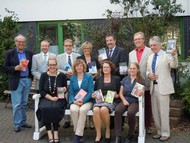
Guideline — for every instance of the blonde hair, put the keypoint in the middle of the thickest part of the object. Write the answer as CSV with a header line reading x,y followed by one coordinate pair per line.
x,y
86,45
77,62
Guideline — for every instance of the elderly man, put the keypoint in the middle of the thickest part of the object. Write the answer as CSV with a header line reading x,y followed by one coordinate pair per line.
x,y
140,55
39,62
17,65
65,62
159,65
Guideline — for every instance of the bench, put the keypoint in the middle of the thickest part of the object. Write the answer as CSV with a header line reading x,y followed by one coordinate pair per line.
x,y
40,131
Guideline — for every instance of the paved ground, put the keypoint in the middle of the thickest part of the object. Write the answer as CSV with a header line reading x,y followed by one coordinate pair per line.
x,y
7,135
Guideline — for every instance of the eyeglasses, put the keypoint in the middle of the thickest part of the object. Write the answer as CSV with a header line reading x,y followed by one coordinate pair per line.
x,y
68,45
52,65
138,39
87,48
21,42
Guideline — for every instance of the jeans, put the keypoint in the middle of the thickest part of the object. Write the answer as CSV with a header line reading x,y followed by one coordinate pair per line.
x,y
19,98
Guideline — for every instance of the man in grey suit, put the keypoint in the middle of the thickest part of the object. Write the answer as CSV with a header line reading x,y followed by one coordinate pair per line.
x,y
39,62
140,55
65,62
159,66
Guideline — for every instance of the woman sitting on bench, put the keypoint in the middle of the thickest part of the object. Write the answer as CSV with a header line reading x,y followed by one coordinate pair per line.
x,y
52,105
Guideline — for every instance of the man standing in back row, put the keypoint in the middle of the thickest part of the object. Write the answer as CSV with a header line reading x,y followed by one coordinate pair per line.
x,y
39,62
140,55
17,65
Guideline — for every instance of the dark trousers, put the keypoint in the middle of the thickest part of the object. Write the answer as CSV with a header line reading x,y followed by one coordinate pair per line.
x,y
48,126
119,110
148,109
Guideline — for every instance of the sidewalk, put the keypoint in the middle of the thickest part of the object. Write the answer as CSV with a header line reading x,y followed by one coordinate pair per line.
x,y
7,135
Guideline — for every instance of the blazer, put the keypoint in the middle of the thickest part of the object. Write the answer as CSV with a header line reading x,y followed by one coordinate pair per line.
x,y
87,85
93,59
119,55
164,64
37,60
143,63
62,59
11,60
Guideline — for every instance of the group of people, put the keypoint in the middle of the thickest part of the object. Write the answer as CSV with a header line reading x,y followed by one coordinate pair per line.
x,y
147,66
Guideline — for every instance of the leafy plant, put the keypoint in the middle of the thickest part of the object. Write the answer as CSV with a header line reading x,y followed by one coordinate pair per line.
x,y
8,29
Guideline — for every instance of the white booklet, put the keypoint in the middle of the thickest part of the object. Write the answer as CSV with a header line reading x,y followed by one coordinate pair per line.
x,y
137,88
170,45
123,68
102,53
92,67
98,96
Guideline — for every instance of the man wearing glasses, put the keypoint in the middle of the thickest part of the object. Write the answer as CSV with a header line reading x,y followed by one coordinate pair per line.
x,y
65,62
17,65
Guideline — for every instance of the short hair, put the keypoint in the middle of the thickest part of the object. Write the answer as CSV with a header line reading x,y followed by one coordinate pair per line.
x,y
155,39
77,62
87,45
139,33
111,35
45,40
19,35
112,66
68,40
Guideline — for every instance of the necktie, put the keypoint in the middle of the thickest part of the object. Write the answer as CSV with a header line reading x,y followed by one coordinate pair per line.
x,y
69,61
45,58
154,63
110,52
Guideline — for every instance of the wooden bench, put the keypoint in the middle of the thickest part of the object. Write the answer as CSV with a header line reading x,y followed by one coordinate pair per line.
x,y
40,131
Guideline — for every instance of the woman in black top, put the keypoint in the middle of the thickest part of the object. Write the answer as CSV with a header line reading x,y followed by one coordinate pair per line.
x,y
101,110
90,60
52,107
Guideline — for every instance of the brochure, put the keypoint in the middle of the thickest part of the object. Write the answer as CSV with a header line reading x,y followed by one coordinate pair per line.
x,y
67,67
123,68
80,95
24,63
60,92
102,53
98,96
92,67
137,88
170,45
110,96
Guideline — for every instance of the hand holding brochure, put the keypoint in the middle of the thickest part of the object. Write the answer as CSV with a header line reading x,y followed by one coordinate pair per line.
x,y
170,45
98,96
102,53
60,92
67,67
92,67
137,90
80,95
110,96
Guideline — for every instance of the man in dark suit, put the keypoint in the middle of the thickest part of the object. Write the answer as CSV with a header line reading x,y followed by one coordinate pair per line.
x,y
115,53
17,65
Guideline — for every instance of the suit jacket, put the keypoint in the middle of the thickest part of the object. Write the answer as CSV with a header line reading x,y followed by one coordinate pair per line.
x,y
87,85
164,64
12,60
62,59
143,63
37,61
119,55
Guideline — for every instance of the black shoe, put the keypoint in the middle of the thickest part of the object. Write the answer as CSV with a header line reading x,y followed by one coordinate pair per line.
x,y
17,129
127,140
56,140
118,139
107,140
66,125
81,139
26,126
76,139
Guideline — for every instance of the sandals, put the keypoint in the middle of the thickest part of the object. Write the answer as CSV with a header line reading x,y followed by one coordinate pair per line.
x,y
51,141
56,140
